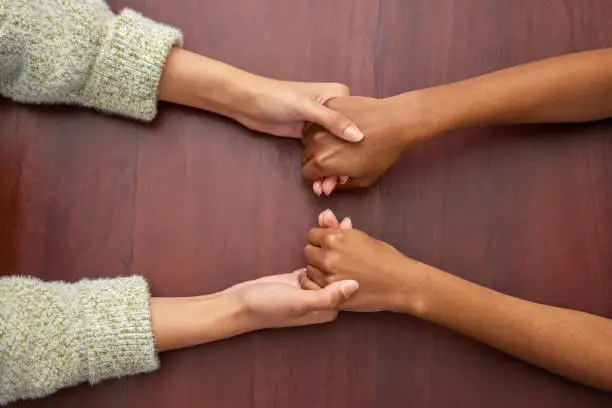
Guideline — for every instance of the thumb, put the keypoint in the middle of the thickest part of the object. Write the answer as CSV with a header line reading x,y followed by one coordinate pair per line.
x,y
334,122
330,297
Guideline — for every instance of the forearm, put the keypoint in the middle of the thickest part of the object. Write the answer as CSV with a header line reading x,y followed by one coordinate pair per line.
x,y
570,343
194,80
569,88
190,321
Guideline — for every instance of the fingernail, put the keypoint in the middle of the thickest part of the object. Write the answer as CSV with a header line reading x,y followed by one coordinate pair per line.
x,y
352,134
349,288
328,187
316,187
346,223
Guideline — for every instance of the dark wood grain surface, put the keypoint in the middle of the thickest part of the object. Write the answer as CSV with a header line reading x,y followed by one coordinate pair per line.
x,y
196,203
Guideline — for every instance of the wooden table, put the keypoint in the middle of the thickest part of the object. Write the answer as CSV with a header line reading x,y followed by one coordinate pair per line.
x,y
196,203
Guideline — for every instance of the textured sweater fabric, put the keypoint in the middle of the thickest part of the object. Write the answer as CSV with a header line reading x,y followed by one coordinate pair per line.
x,y
79,52
56,334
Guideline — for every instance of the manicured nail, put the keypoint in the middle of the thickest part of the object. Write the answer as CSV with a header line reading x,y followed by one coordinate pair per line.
x,y
352,134
328,186
346,223
328,216
349,288
316,187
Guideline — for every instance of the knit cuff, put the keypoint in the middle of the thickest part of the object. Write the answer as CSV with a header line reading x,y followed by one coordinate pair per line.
x,y
117,337
127,70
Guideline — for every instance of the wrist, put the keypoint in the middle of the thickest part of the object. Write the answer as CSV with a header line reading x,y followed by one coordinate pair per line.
x,y
194,80
411,290
418,116
232,315
455,106
190,321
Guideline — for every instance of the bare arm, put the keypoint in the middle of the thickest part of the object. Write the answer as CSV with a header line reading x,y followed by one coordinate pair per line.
x,y
92,330
79,52
567,342
569,88
277,107
269,302
189,321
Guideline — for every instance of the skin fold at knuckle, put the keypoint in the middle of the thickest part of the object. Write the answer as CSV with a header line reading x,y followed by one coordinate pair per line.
x,y
330,239
331,262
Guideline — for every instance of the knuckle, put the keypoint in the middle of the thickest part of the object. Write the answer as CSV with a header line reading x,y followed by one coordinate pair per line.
x,y
331,300
319,162
329,239
330,262
318,137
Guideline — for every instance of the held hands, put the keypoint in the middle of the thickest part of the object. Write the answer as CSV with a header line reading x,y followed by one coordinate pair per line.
x,y
282,108
335,252
389,125
266,105
279,300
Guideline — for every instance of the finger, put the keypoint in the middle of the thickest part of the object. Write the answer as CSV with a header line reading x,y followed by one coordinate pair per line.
x,y
317,187
307,153
346,223
330,297
315,236
329,183
327,219
313,170
305,282
336,181
334,121
308,132
317,276
360,182
314,256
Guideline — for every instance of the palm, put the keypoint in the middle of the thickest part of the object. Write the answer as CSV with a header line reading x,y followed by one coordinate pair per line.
x,y
277,301
285,106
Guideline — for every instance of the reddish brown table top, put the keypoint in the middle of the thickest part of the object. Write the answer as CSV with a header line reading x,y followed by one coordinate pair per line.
x,y
196,203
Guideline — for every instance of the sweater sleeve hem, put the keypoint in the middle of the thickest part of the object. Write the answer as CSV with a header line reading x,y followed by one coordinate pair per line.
x,y
126,74
117,332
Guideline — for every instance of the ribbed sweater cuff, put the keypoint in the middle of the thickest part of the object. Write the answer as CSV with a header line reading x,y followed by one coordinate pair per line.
x,y
126,74
117,337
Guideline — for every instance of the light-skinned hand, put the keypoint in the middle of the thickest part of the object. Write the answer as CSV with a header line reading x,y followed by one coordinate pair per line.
x,y
282,300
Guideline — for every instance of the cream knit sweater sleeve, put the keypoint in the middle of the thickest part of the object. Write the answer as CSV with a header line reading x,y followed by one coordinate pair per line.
x,y
79,52
55,334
